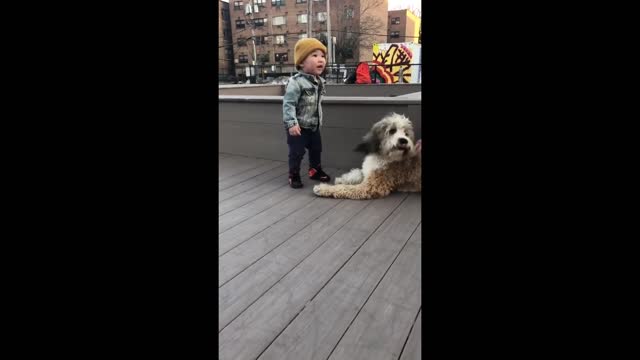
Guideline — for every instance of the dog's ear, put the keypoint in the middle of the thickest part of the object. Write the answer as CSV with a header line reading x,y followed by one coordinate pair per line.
x,y
362,147
370,143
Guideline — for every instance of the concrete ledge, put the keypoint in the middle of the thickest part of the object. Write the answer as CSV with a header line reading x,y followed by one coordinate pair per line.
x,y
415,95
356,90
236,86
371,89
252,125
251,89
327,99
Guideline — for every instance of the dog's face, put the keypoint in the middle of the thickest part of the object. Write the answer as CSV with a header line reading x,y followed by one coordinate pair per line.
x,y
392,137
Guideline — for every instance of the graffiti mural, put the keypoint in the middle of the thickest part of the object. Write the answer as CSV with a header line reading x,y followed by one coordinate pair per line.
x,y
395,58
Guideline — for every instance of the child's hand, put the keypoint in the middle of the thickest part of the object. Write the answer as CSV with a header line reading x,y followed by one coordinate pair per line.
x,y
295,131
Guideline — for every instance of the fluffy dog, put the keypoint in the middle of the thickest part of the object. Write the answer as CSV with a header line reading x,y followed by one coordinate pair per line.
x,y
391,163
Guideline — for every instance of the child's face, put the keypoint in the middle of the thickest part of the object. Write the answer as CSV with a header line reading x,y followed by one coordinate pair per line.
x,y
314,63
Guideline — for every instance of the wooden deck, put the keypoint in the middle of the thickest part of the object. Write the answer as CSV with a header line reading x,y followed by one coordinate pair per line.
x,y
303,277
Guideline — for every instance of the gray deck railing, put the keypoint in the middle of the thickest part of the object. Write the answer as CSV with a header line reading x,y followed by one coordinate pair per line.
x,y
332,89
251,125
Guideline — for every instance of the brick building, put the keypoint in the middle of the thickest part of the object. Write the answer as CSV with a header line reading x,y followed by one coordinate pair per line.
x,y
225,47
404,26
279,24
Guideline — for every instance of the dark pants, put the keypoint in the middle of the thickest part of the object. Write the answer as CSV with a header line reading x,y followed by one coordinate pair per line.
x,y
308,139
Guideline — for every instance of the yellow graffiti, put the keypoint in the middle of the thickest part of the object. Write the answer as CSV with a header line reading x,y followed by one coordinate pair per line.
x,y
391,61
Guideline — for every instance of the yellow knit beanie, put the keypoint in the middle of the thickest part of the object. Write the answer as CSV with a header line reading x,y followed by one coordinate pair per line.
x,y
306,46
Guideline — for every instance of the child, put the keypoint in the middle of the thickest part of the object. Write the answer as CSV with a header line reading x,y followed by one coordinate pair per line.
x,y
302,110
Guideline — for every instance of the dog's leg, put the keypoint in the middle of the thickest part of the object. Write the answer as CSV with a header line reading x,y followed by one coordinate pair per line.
x,y
355,176
342,191
375,186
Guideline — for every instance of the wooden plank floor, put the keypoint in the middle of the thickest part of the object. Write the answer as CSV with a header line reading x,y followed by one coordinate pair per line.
x,y
303,277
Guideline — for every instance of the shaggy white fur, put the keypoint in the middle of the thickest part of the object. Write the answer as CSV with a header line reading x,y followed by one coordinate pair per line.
x,y
391,163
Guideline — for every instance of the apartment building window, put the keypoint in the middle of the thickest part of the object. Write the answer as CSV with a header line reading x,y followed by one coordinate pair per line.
x,y
282,57
302,18
237,5
349,13
395,21
395,34
263,58
242,42
260,3
227,52
259,22
239,24
277,2
280,39
243,59
300,1
322,17
279,20
261,40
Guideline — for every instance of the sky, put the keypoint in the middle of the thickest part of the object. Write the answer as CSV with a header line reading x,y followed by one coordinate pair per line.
x,y
404,4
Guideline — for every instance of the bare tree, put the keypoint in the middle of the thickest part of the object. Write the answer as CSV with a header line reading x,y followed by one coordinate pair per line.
x,y
415,10
355,29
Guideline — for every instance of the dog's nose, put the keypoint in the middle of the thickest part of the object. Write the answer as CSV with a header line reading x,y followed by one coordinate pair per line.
x,y
403,141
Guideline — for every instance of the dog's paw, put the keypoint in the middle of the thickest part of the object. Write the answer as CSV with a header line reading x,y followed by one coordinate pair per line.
x,y
321,189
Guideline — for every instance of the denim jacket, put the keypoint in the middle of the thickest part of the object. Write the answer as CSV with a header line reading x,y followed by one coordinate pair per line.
x,y
301,104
